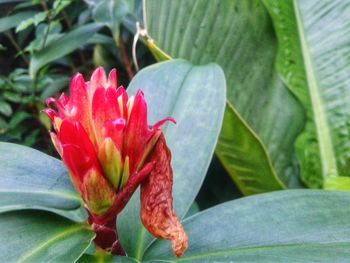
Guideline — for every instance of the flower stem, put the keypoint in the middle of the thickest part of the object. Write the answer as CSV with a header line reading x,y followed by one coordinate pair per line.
x,y
107,237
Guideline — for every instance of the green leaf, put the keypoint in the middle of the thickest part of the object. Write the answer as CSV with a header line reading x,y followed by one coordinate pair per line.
x,y
111,13
35,236
313,59
62,46
238,35
178,89
5,109
54,86
12,96
33,180
340,183
31,138
3,126
105,258
2,47
285,226
194,209
9,22
17,118
35,20
237,141
59,5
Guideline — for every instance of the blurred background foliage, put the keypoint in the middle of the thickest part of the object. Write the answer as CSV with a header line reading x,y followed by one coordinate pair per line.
x,y
286,64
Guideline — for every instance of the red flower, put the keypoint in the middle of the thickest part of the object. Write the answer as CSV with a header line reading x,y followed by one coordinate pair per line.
x,y
109,149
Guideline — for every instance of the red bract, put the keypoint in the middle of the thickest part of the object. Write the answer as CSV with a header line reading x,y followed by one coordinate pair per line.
x,y
109,149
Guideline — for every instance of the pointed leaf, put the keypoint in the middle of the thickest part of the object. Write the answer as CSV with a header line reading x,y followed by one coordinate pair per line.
x,y
62,46
9,22
237,141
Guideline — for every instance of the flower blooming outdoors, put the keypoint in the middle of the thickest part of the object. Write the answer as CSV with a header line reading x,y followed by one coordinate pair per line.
x,y
109,150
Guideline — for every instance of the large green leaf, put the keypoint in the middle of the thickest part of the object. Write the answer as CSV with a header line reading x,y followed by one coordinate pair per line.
x,y
63,46
31,179
314,39
34,236
238,35
285,226
183,91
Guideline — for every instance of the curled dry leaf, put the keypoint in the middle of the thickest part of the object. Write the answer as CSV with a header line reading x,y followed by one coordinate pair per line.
x,y
157,212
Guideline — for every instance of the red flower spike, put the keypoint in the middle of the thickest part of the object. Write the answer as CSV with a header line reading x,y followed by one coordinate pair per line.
x,y
109,149
157,212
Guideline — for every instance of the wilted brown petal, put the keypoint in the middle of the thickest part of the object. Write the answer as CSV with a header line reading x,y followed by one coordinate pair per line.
x,y
157,212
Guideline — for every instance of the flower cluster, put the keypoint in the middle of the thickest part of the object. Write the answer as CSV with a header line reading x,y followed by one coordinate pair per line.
x,y
109,149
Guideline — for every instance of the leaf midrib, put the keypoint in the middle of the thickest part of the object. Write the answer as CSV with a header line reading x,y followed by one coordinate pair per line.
x,y
328,159
72,197
233,251
51,240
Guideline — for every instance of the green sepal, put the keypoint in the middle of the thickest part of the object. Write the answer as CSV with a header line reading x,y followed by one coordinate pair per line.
x,y
126,172
98,194
111,161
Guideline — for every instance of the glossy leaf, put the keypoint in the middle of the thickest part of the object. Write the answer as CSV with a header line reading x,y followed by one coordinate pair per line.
x,y
294,225
184,92
37,236
31,179
238,35
313,58
63,46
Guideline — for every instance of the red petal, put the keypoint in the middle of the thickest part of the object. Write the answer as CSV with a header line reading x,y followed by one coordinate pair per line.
x,y
59,107
157,212
78,152
122,101
77,163
76,108
50,113
112,79
115,130
137,131
104,108
98,80
161,122
56,142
